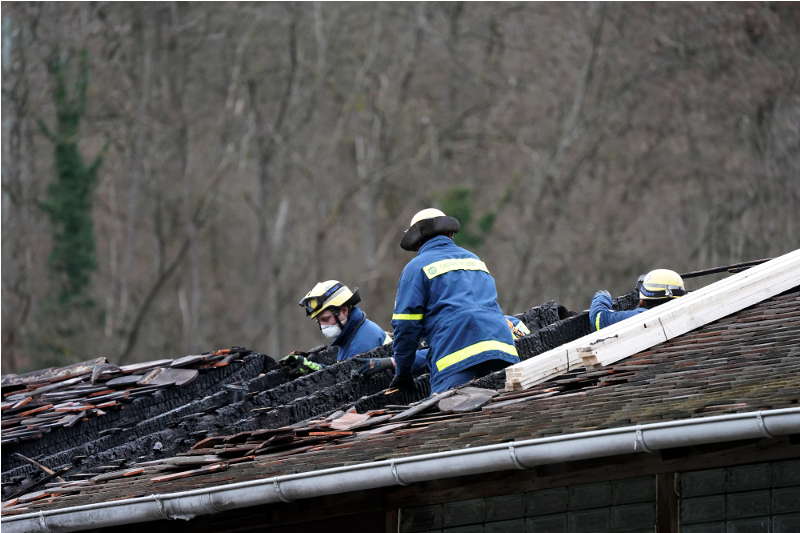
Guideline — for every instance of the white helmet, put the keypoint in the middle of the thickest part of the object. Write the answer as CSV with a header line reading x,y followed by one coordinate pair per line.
x,y
425,214
425,224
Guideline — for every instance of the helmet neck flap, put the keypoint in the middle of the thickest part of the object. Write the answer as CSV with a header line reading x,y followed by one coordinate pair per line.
x,y
428,228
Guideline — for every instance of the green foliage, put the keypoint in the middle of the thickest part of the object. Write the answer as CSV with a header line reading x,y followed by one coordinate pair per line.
x,y
68,203
457,202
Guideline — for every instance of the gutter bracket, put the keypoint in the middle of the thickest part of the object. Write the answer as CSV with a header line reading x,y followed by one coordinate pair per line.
x,y
43,521
762,425
638,442
396,475
281,495
512,451
161,508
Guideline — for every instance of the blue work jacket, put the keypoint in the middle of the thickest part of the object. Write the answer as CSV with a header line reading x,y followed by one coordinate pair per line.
x,y
517,327
447,296
359,335
601,314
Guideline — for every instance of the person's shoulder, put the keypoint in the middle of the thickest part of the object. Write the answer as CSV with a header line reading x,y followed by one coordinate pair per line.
x,y
373,326
461,251
448,249
602,296
416,264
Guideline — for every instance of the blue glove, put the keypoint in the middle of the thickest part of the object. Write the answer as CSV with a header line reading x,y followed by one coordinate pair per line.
x,y
404,383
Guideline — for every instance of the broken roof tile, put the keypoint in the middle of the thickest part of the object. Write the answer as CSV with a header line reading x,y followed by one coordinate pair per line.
x,y
733,369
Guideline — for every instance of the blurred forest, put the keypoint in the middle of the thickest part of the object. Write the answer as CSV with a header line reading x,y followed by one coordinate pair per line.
x,y
175,176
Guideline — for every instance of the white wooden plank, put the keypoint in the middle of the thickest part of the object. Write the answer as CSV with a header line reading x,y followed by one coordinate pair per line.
x,y
648,336
698,311
644,331
666,321
551,363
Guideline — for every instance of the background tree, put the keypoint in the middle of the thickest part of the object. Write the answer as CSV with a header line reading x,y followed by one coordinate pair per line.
x,y
69,196
255,149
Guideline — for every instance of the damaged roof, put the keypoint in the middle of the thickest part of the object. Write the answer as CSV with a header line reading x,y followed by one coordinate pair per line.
x,y
266,424
150,411
745,362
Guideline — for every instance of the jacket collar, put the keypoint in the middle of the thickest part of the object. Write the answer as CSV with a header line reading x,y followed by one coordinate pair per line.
x,y
354,321
434,242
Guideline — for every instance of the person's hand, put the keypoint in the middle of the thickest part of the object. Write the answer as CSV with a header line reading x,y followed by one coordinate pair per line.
x,y
402,382
298,364
291,360
368,366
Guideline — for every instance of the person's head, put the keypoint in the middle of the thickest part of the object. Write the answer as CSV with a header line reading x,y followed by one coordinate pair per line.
x,y
331,321
333,316
425,225
330,303
659,286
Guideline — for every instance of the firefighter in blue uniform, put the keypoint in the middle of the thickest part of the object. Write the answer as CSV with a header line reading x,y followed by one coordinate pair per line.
x,y
655,288
447,296
334,307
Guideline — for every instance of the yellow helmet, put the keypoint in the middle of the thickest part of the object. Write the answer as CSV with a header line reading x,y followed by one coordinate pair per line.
x,y
425,224
326,295
661,284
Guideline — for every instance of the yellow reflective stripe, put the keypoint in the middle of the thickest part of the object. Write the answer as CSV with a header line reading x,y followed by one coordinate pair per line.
x,y
403,316
446,265
597,322
474,349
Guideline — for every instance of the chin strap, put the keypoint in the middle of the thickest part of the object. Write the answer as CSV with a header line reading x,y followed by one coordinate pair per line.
x,y
339,322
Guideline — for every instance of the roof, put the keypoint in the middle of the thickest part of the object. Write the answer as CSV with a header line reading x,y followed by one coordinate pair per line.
x,y
742,363
90,418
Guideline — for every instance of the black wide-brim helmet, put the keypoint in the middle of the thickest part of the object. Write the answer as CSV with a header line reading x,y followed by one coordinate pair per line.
x,y
426,224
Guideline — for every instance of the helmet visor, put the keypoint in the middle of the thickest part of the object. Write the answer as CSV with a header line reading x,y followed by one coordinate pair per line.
x,y
658,290
315,303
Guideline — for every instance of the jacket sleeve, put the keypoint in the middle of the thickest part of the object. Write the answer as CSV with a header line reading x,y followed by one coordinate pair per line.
x,y
518,327
420,362
601,313
601,305
407,319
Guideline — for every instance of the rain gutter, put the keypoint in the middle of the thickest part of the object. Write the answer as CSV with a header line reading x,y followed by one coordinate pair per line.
x,y
520,455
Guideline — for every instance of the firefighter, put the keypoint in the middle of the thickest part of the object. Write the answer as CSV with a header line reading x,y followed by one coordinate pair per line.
x,y
447,296
655,288
334,306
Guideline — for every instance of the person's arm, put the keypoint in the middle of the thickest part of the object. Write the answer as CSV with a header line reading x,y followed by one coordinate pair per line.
x,y
601,313
517,326
420,361
407,319
601,305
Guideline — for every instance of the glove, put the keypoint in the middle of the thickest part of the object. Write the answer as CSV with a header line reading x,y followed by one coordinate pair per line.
x,y
367,367
403,383
299,365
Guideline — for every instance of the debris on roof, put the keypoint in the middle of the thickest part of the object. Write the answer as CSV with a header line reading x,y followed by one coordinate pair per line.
x,y
257,421
95,414
92,413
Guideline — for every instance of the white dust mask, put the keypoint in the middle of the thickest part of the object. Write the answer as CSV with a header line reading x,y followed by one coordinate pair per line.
x,y
331,332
